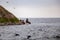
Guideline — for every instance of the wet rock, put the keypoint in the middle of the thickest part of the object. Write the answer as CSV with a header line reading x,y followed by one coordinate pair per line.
x,y
27,21
0,34
17,35
47,37
57,36
28,36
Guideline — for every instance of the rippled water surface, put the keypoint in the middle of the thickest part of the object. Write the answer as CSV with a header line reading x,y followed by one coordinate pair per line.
x,y
40,31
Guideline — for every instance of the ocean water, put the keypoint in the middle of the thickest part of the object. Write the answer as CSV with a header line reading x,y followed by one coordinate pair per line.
x,y
43,20
36,30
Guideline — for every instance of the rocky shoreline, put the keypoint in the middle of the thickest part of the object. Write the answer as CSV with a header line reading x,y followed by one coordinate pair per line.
x,y
7,18
9,23
21,22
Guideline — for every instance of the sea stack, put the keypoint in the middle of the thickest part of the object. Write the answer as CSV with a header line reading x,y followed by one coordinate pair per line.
x,y
7,18
27,21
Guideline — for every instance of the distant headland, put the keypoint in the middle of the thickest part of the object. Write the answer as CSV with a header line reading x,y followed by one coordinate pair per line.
x,y
7,18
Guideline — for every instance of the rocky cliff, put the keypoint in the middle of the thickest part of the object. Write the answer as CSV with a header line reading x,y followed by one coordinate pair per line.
x,y
7,18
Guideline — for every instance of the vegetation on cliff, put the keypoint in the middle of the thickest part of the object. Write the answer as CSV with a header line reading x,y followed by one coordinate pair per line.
x,y
7,18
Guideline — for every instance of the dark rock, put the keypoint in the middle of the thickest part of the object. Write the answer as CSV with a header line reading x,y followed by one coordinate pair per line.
x,y
28,36
27,21
17,35
57,37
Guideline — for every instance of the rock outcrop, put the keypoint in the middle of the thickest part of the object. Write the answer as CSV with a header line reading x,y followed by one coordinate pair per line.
x,y
7,18
27,21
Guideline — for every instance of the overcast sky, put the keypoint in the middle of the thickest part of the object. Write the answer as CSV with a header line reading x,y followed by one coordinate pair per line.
x,y
33,8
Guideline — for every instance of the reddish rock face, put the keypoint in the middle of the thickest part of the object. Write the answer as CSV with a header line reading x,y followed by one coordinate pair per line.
x,y
5,13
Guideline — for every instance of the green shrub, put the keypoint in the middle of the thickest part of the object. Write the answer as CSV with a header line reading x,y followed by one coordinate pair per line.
x,y
3,20
13,20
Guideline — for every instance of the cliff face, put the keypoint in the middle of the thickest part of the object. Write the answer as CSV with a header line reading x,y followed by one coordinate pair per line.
x,y
7,18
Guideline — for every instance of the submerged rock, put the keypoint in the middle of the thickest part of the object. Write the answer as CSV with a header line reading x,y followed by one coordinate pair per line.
x,y
17,35
57,36
28,36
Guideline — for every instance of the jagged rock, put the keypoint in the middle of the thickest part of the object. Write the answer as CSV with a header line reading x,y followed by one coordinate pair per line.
x,y
57,36
27,21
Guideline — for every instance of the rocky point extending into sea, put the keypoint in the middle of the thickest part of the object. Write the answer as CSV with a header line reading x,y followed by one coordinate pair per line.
x,y
7,18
